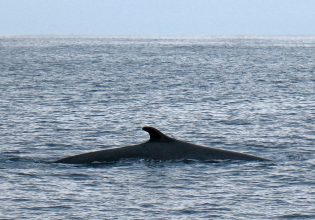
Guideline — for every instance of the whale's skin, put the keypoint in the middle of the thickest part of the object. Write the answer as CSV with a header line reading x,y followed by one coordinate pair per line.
x,y
162,148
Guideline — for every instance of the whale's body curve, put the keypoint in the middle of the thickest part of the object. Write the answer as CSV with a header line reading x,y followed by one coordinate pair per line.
x,y
159,147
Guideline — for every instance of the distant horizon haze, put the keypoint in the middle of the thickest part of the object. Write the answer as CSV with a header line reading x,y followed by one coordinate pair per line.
x,y
157,18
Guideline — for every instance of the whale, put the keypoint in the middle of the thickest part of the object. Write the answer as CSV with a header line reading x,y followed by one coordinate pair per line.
x,y
159,147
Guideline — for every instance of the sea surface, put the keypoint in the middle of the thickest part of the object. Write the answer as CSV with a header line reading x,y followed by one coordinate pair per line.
x,y
64,96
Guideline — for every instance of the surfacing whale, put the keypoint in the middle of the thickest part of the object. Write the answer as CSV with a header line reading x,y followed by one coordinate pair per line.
x,y
159,147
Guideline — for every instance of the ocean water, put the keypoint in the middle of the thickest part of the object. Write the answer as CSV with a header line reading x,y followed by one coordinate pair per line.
x,y
63,96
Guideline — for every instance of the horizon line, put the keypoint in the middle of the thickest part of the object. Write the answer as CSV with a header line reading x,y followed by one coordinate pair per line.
x,y
244,36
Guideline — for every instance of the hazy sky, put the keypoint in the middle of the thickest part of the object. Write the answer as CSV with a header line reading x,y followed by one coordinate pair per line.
x,y
179,18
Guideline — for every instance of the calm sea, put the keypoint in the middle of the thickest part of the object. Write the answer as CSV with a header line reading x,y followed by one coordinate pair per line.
x,y
63,96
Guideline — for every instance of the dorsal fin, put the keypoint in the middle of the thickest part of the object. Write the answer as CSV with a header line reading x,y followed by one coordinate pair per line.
x,y
155,134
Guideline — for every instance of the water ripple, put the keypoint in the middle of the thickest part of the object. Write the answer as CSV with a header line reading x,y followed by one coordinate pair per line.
x,y
62,96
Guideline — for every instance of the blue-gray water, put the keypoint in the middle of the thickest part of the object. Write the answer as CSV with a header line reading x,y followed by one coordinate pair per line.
x,y
63,96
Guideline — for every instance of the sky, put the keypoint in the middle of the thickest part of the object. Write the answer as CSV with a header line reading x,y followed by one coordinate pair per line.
x,y
157,18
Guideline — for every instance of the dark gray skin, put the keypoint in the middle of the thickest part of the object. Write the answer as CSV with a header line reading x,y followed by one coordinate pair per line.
x,y
162,148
